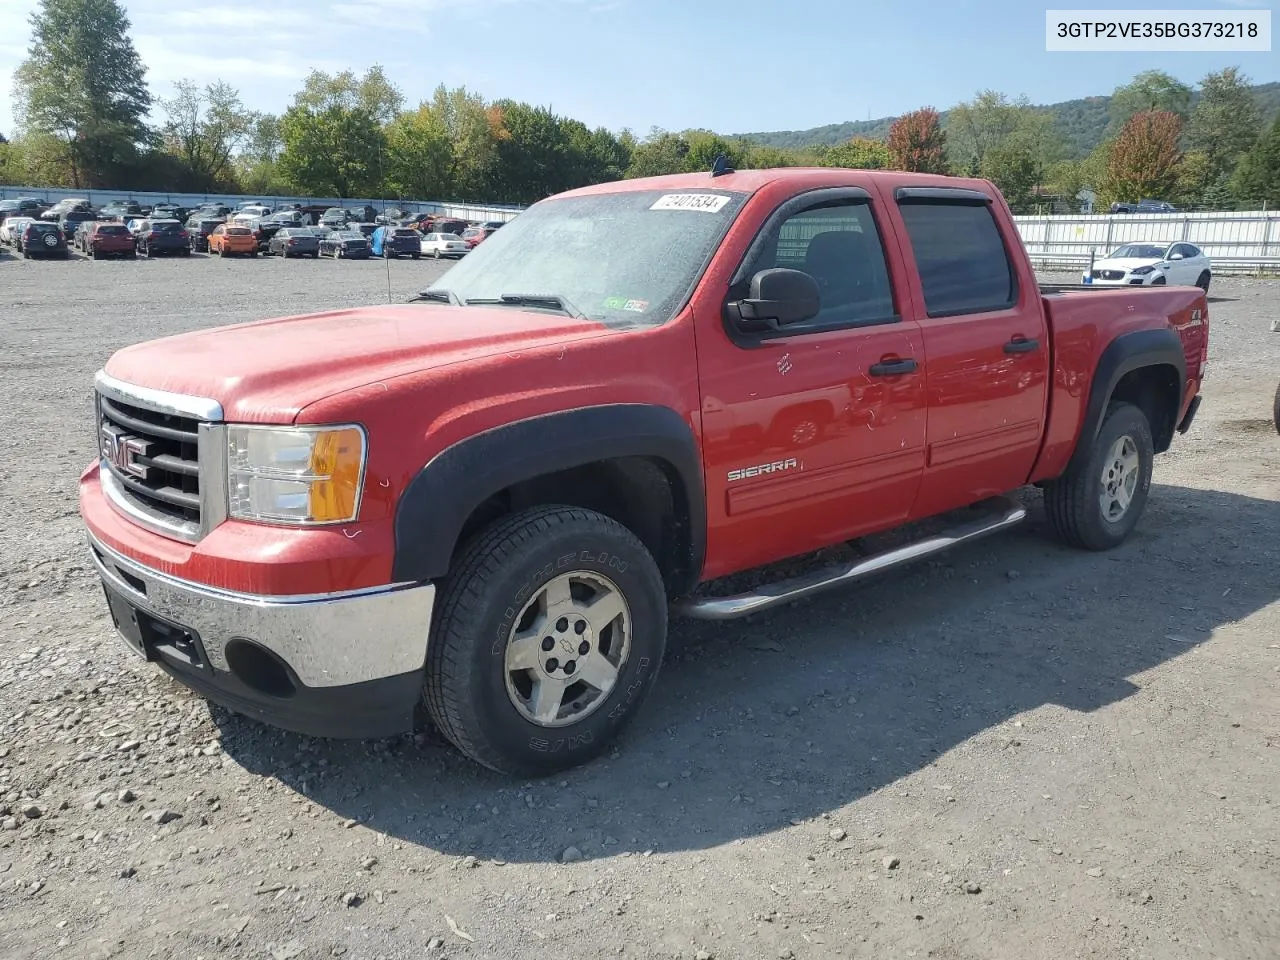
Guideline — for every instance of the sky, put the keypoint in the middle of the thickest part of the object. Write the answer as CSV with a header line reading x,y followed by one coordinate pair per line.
x,y
729,65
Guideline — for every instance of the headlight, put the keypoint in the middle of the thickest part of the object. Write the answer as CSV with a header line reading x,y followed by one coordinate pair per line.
x,y
1141,271
302,475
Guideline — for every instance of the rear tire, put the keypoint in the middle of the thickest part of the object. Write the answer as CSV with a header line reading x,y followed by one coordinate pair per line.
x,y
1275,410
1096,504
1203,281
490,674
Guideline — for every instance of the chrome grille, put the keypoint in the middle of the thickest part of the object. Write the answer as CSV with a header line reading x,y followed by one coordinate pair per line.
x,y
160,461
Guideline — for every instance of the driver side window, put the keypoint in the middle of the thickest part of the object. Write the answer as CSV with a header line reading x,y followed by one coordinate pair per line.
x,y
839,246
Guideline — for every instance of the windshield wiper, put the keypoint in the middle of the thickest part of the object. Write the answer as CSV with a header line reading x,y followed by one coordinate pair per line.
x,y
438,295
552,300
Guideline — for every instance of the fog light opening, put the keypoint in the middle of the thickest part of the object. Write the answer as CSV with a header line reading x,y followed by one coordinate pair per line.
x,y
260,669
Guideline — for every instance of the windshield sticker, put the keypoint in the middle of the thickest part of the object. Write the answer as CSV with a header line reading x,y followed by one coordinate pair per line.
x,y
702,202
623,303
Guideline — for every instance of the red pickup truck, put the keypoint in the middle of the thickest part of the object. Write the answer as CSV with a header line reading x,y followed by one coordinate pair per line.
x,y
485,502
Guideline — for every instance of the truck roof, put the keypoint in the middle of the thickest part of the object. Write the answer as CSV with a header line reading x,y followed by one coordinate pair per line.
x,y
750,181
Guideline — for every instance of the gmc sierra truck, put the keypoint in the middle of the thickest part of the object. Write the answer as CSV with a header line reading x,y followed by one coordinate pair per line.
x,y
486,502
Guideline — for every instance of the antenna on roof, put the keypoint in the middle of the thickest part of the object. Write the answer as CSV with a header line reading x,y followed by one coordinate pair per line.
x,y
720,166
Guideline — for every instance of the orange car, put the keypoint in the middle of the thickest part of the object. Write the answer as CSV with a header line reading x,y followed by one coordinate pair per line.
x,y
232,239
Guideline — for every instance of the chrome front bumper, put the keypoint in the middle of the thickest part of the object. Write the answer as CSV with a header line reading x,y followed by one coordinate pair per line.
x,y
328,640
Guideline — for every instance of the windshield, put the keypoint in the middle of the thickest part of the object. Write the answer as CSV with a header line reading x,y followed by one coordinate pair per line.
x,y
623,258
1138,251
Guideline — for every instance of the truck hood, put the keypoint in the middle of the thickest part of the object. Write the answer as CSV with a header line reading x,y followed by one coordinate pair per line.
x,y
269,370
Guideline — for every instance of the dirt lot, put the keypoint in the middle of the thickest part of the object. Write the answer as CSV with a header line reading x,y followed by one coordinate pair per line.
x,y
1017,751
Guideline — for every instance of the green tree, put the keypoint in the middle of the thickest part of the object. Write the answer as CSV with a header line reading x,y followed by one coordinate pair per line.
x,y
1256,183
257,164
857,153
1144,159
475,130
333,138
1150,91
1195,175
84,85
1225,122
918,143
660,153
420,154
204,130
11,167
980,125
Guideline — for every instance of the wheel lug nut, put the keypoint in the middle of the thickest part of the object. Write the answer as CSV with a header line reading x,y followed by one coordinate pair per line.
x,y
570,666
552,664
548,643
562,625
583,648
580,627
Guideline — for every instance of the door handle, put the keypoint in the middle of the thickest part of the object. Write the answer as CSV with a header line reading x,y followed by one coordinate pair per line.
x,y
1021,345
892,368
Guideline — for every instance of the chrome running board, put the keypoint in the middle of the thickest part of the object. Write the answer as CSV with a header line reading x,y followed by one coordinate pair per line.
x,y
784,591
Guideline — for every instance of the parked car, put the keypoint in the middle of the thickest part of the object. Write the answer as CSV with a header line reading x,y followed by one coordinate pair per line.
x,y
345,244
294,242
256,210
76,240
522,520
121,210
164,236
474,236
446,225
230,239
335,218
30,207
396,242
168,211
365,229
364,214
287,218
1153,264
1144,206
492,225
198,229
11,230
214,211
108,240
444,245
40,238
70,221
55,212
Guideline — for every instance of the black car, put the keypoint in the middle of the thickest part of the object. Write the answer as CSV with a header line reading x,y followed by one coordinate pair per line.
x,y
365,214
43,239
364,228
22,207
198,229
70,221
345,245
214,211
295,242
335,218
121,210
163,236
168,211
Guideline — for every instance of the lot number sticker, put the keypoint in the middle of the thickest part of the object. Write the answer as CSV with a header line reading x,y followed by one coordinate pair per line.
x,y
703,202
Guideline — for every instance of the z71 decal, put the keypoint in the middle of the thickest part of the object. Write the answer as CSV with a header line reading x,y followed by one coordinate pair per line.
x,y
776,467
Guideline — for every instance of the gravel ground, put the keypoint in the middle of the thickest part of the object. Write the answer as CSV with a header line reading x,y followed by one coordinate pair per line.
x,y
1015,751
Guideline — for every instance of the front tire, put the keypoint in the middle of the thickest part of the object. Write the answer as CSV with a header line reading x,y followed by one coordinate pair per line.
x,y
1096,504
548,635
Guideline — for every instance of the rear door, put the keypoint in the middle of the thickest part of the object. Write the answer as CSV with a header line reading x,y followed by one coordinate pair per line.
x,y
985,343
814,432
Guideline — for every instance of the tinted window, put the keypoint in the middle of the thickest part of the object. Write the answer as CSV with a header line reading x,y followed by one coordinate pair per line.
x,y
962,261
838,245
113,230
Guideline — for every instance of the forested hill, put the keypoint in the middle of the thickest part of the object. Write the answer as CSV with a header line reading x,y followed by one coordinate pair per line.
x,y
1081,123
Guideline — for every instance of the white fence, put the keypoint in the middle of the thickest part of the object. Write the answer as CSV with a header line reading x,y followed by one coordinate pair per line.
x,y
463,211
1236,242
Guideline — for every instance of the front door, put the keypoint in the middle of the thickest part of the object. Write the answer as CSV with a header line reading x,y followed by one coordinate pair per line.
x,y
813,433
986,344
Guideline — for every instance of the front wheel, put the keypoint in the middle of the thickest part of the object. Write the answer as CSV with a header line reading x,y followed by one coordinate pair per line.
x,y
549,633
1098,501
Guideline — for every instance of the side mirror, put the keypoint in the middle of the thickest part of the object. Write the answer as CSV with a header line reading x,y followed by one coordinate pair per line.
x,y
776,298
1175,256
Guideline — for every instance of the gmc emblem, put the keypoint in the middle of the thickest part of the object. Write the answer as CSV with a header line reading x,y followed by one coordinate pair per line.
x,y
122,451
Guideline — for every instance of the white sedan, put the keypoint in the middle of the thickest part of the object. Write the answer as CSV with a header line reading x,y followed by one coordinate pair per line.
x,y
11,229
444,245
1153,264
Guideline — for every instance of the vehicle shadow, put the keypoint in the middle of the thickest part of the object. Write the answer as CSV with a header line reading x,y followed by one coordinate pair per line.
x,y
801,711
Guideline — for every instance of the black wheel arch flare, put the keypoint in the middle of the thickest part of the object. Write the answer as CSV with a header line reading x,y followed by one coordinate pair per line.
x,y
435,506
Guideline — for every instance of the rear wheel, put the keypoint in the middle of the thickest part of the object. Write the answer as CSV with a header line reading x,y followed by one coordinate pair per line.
x,y
1203,281
436,253
1275,410
1097,502
535,663
222,251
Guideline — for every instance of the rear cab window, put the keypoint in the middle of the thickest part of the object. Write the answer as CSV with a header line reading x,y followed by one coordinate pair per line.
x,y
961,258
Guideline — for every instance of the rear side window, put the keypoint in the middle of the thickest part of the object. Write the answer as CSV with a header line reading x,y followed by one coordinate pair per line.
x,y
963,264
